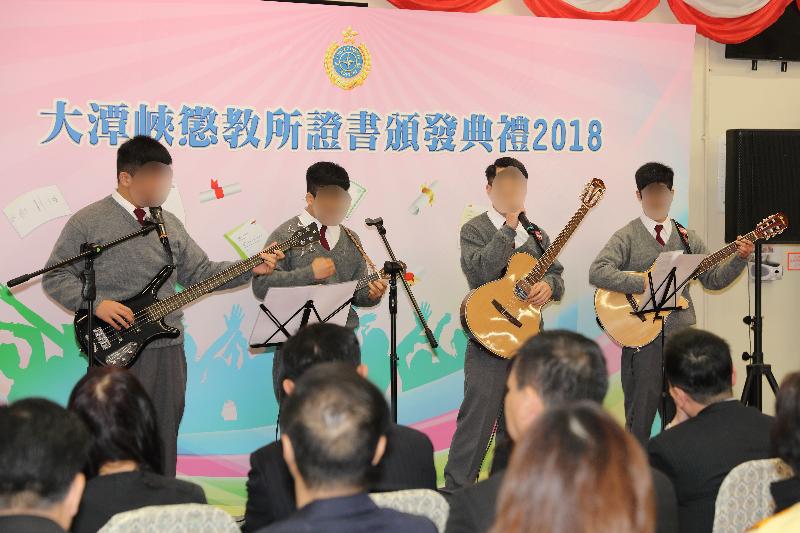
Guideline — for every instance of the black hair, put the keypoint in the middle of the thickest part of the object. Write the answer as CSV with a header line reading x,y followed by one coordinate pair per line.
x,y
324,173
504,162
42,448
562,366
120,417
786,429
138,151
654,173
334,420
699,363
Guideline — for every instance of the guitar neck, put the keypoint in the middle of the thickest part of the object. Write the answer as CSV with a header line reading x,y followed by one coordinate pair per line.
x,y
721,255
164,307
366,280
549,255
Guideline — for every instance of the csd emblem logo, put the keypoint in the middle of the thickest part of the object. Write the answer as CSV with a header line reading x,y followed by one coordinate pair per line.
x,y
347,63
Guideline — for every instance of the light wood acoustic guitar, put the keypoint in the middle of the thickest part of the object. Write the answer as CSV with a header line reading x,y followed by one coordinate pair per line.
x,y
496,314
616,311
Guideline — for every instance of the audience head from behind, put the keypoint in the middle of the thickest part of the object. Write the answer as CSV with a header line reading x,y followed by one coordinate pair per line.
x,y
699,369
576,469
786,428
333,427
318,343
551,369
121,420
43,449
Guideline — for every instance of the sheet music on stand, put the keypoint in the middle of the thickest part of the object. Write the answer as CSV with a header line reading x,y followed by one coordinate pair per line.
x,y
285,308
671,272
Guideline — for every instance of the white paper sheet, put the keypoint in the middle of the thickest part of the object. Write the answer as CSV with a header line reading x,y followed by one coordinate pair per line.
x,y
283,302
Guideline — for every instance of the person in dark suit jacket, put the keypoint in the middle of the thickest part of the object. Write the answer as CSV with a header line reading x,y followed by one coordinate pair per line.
x,y
42,450
334,427
711,433
407,463
553,368
126,465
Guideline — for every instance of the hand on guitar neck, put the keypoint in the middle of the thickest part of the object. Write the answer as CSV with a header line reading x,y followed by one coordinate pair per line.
x,y
270,260
744,247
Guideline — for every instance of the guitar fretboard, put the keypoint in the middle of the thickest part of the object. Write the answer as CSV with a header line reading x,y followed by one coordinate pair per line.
x,y
366,280
720,255
162,308
549,255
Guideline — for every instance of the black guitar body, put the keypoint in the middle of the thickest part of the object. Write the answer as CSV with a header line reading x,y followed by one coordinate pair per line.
x,y
121,348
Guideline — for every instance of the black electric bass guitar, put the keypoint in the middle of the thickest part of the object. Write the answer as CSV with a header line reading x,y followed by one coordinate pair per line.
x,y
121,348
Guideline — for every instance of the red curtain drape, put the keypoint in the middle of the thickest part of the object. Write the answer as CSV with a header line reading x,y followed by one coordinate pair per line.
x,y
468,6
729,30
633,10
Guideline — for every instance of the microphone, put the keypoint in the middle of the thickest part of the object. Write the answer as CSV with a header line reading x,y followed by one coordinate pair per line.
x,y
527,225
374,221
158,220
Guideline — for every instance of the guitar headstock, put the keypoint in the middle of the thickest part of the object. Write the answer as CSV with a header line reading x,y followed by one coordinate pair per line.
x,y
593,192
305,235
771,226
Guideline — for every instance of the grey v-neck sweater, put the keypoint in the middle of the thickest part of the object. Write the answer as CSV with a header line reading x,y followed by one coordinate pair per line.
x,y
123,271
485,251
295,270
633,248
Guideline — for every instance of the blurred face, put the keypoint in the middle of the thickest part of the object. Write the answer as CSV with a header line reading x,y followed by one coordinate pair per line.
x,y
508,190
148,186
656,200
522,406
329,205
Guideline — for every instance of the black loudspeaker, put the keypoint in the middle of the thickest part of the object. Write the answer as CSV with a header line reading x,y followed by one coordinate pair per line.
x,y
762,178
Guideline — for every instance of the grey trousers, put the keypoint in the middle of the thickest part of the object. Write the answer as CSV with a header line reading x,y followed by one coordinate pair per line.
x,y
641,377
162,372
484,390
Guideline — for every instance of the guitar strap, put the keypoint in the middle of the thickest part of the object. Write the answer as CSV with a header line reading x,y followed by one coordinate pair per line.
x,y
370,265
684,235
536,233
168,248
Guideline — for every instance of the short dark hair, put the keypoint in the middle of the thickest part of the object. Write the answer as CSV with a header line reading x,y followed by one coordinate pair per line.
x,y
563,367
120,417
786,429
654,173
318,343
504,162
42,448
324,173
138,151
334,420
699,363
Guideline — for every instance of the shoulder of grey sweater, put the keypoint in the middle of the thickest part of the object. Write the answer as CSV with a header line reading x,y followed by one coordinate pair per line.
x,y
93,212
353,233
696,243
479,225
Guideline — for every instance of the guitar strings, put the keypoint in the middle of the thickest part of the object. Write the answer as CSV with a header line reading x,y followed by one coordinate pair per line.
x,y
110,330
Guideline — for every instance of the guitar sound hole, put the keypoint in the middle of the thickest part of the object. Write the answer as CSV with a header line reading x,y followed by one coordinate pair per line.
x,y
521,289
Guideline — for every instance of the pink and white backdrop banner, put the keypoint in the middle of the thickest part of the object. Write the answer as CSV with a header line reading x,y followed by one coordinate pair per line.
x,y
247,94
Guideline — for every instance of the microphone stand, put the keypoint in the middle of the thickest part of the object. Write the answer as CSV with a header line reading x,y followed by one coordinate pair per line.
x,y
395,268
88,253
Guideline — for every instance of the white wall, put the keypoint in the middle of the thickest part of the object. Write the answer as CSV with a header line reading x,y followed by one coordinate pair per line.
x,y
728,94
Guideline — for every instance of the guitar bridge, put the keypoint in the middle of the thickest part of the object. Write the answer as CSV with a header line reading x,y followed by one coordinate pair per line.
x,y
122,356
508,316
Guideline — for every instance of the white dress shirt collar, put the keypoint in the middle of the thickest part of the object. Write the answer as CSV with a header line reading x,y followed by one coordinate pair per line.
x,y
650,226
